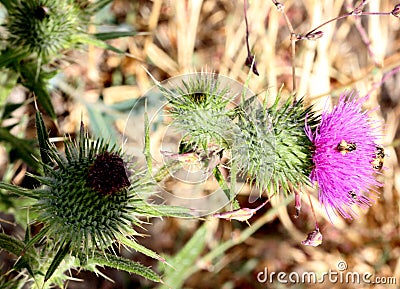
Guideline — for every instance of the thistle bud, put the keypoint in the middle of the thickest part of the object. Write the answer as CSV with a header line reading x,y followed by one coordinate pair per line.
x,y
199,104
87,198
396,11
43,28
314,238
314,35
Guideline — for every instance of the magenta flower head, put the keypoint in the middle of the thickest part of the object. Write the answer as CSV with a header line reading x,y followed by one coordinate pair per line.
x,y
344,157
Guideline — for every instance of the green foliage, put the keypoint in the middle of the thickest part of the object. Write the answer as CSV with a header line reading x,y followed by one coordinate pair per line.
x,y
18,190
24,148
62,252
126,265
43,137
36,79
37,261
113,35
40,32
16,247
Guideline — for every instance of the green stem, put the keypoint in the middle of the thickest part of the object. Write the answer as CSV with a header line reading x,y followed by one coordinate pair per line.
x,y
166,170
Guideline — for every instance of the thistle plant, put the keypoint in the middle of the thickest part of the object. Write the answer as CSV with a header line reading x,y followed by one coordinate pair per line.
x,y
345,145
88,201
267,145
285,147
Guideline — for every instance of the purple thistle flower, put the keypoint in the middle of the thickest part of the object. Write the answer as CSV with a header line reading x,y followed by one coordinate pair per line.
x,y
344,149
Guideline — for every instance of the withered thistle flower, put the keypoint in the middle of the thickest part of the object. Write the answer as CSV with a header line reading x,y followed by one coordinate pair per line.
x,y
344,150
107,174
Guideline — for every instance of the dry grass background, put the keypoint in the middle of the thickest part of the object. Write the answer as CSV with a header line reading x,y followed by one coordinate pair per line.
x,y
186,36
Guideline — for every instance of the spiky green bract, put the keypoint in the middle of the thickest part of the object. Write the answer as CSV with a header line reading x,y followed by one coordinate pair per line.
x,y
87,199
292,146
274,150
198,104
43,28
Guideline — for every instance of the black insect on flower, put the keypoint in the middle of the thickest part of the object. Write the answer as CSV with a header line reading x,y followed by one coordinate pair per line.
x,y
345,147
378,159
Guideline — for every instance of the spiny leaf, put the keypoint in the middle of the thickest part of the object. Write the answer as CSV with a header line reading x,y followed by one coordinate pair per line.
x,y
10,56
147,152
35,239
38,85
140,248
17,247
18,190
166,211
116,34
43,139
61,253
89,40
125,265
151,210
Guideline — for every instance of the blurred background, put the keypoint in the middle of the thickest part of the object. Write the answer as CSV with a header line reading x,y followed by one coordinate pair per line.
x,y
177,37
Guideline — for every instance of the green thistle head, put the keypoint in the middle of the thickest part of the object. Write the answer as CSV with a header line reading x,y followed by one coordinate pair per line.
x,y
199,106
274,150
43,28
88,198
